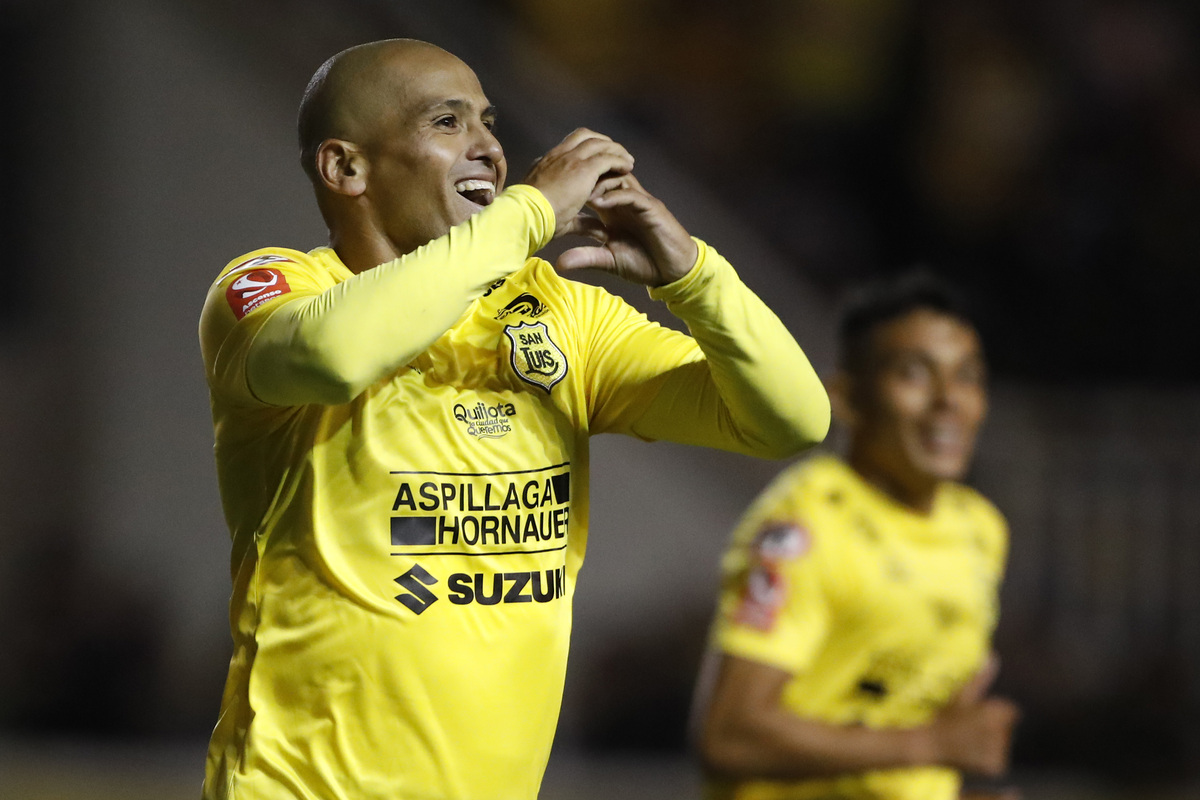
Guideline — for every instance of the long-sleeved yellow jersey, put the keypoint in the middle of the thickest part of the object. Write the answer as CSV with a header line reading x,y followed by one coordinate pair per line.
x,y
403,462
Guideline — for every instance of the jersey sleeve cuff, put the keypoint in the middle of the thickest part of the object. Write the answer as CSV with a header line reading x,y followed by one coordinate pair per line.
x,y
708,269
542,231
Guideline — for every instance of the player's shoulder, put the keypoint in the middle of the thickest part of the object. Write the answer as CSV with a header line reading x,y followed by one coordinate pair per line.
x,y
813,491
818,480
970,501
269,258
980,516
261,277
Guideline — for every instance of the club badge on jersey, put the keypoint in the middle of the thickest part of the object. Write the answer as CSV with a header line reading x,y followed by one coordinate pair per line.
x,y
535,357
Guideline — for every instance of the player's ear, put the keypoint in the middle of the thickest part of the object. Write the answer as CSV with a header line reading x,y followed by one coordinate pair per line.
x,y
342,167
840,388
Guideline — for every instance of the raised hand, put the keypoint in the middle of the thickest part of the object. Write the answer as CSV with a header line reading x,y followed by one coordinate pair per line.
x,y
639,238
568,173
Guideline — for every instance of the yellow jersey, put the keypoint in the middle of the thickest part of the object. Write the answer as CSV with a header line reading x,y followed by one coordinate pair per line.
x,y
403,562
880,613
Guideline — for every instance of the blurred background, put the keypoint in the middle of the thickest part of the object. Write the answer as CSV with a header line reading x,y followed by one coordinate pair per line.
x,y
1044,156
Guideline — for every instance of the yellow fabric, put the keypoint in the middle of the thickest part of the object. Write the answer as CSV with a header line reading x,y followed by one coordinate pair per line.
x,y
403,563
880,613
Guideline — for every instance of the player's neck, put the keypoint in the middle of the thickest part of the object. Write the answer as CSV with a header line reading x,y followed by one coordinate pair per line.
x,y
362,249
916,492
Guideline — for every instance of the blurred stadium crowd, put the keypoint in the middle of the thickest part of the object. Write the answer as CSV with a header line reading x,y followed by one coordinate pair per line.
x,y
1045,155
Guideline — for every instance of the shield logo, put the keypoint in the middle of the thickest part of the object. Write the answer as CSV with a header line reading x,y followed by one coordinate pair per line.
x,y
535,357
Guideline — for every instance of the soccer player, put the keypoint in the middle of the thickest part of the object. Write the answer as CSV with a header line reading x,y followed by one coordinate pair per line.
x,y
402,421
851,646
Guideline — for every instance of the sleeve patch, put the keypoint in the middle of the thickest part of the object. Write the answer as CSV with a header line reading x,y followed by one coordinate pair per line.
x,y
251,289
781,541
765,589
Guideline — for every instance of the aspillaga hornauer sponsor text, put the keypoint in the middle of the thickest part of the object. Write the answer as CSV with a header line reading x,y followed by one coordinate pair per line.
x,y
482,510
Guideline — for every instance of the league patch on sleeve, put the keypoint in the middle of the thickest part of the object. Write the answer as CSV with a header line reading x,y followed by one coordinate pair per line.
x,y
765,589
781,541
250,290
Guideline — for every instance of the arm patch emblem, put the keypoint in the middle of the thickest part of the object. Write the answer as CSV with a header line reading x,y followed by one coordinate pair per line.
x,y
250,290
764,591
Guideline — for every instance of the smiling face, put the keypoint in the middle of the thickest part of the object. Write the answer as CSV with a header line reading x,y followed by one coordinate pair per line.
x,y
427,139
915,410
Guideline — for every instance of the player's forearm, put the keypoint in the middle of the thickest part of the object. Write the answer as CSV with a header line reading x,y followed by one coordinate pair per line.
x,y
329,348
769,397
777,745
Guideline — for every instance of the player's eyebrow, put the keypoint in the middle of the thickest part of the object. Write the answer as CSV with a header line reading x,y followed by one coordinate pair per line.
x,y
460,106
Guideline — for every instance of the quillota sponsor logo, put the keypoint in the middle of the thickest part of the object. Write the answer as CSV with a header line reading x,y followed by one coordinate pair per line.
x,y
486,421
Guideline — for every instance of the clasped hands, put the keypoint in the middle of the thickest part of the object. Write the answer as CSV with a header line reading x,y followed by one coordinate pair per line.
x,y
639,239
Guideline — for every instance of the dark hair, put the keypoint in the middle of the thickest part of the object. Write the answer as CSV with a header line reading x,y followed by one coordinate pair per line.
x,y
883,301
312,121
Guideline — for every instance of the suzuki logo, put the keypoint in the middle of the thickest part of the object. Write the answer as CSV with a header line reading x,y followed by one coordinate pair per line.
x,y
420,597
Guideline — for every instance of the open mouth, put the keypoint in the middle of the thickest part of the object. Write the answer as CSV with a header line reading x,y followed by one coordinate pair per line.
x,y
479,192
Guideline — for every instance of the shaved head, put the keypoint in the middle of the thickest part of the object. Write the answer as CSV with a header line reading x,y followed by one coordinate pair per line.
x,y
348,96
396,137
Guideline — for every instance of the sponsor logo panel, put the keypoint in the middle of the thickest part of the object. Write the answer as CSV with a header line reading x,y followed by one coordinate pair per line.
x,y
523,512
479,514
484,421
483,588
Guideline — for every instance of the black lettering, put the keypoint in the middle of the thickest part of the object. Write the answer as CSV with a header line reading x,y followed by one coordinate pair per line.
x,y
404,497
514,595
541,361
429,492
531,530
525,494
548,493
487,499
489,525
471,499
544,529
560,579
510,499
538,595
510,529
447,495
443,528
460,589
560,522
497,589
474,523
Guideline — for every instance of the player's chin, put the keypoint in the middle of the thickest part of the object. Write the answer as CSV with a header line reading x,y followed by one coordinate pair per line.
x,y
947,466
464,209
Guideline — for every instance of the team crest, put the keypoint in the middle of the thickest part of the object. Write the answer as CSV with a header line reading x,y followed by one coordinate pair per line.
x,y
535,357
